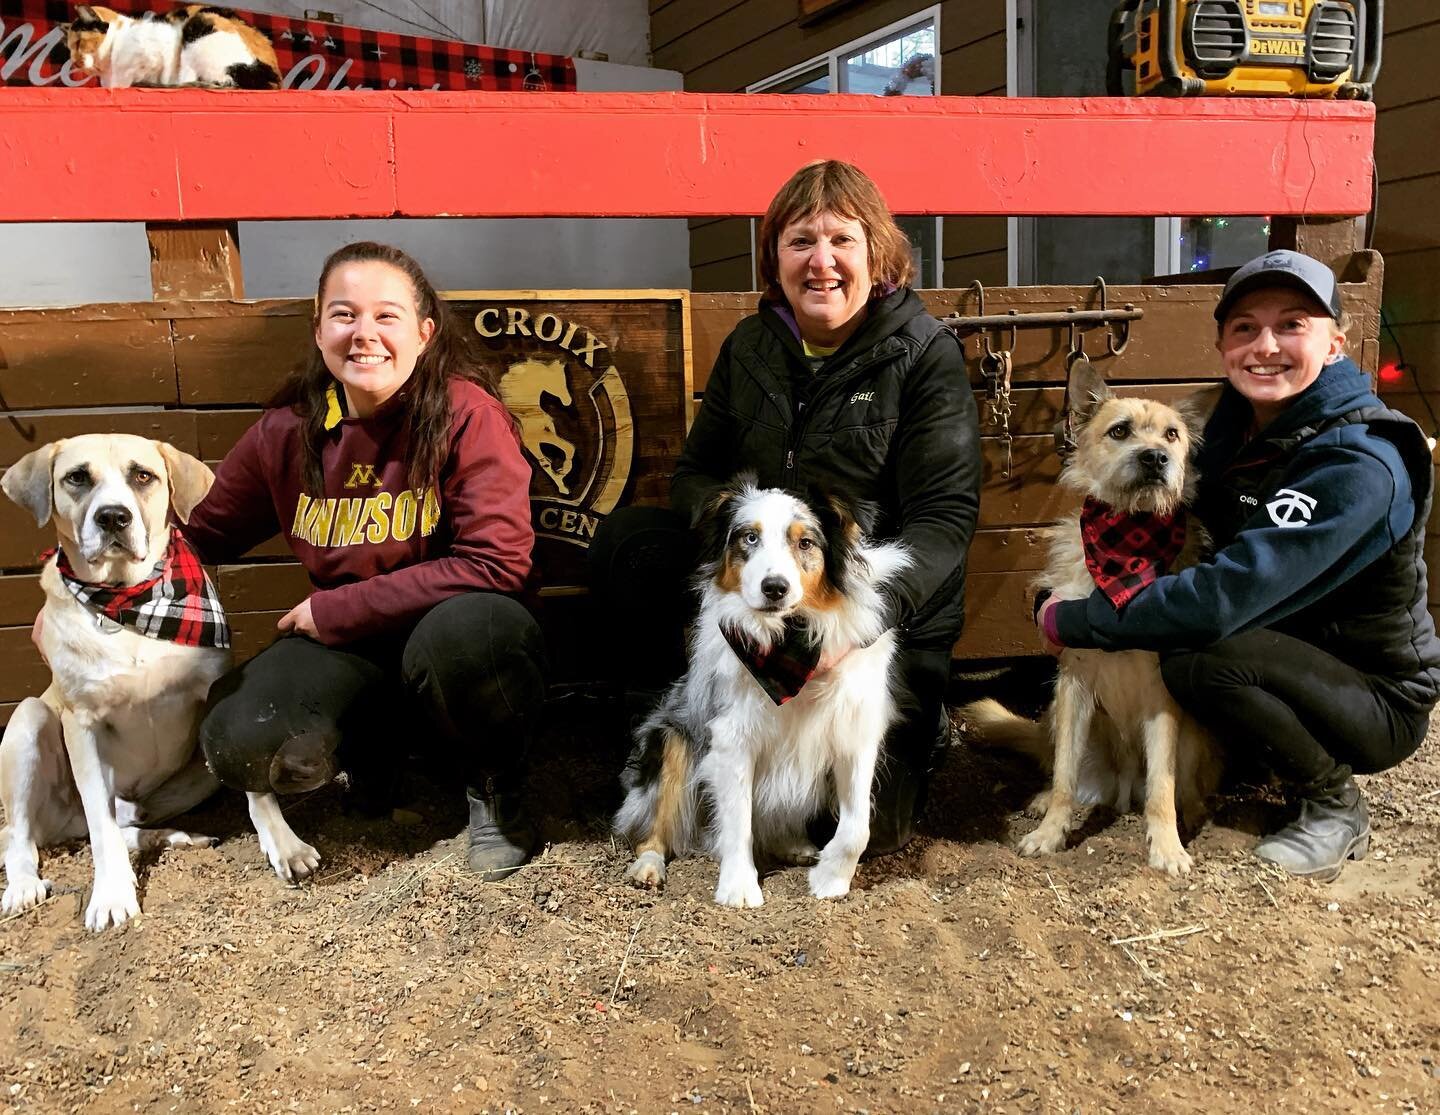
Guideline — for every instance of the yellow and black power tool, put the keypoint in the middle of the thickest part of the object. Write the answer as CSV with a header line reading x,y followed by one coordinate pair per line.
x,y
1266,48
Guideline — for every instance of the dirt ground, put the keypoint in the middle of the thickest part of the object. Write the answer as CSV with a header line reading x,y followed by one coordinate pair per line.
x,y
955,977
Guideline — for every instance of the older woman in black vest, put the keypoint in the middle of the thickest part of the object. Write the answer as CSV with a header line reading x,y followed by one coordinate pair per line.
x,y
844,379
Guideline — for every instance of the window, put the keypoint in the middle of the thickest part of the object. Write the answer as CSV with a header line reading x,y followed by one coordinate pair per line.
x,y
899,60
1206,243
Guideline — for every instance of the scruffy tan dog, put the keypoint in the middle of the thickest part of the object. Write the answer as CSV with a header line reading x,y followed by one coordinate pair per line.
x,y
1112,712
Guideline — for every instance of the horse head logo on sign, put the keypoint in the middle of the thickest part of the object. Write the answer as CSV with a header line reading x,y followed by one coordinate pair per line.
x,y
523,388
573,413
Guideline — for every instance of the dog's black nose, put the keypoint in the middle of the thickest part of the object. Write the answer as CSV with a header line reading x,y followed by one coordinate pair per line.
x,y
774,587
112,517
1153,460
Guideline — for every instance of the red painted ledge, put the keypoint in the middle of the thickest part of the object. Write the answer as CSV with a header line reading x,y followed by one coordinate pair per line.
x,y
174,155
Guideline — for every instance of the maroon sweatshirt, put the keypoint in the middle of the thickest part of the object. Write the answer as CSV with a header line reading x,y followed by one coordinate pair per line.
x,y
379,552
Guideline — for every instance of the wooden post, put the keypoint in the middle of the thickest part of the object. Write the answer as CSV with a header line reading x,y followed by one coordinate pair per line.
x,y
1332,240
195,259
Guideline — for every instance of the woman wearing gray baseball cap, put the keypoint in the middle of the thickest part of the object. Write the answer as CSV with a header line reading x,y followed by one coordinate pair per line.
x,y
1305,644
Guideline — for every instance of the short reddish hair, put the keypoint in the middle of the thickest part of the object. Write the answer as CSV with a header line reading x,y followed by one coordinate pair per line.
x,y
828,185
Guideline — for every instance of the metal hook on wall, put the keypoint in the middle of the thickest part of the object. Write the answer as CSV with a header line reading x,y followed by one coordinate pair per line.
x,y
1077,343
1113,347
988,348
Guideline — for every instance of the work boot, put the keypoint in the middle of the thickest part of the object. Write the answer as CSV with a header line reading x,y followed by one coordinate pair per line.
x,y
1333,826
896,805
902,787
500,835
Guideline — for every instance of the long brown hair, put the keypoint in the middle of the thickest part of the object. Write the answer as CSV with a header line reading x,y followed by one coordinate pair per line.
x,y
451,353
828,185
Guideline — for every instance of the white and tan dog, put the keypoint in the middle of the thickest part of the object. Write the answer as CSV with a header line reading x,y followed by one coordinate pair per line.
x,y
109,748
1112,716
719,765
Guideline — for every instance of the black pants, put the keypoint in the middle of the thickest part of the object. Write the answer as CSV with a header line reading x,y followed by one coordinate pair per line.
x,y
467,682
641,563
1298,711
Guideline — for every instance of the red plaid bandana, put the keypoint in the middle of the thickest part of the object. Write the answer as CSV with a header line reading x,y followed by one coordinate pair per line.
x,y
783,668
1126,551
178,603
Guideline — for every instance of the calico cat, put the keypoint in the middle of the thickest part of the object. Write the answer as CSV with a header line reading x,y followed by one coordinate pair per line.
x,y
193,45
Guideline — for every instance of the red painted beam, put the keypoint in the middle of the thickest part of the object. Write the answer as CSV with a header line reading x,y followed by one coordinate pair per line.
x,y
171,155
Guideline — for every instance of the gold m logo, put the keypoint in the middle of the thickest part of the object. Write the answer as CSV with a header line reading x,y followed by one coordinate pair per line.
x,y
361,475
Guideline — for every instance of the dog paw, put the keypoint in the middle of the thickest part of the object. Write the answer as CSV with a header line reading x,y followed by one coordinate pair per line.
x,y
741,892
1039,804
648,870
178,839
827,881
1170,858
293,860
1042,842
801,852
22,894
111,904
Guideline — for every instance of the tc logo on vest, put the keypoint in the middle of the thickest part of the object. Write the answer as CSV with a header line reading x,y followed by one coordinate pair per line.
x,y
1290,508
361,475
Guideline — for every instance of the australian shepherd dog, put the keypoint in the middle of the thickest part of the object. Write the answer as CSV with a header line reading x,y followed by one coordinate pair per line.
x,y
754,741
1112,717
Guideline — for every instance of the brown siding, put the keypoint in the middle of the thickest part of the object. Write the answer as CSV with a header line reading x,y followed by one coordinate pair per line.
x,y
1407,228
721,46
1400,15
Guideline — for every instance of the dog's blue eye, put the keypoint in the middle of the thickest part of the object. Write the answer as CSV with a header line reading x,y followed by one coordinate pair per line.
x,y
751,538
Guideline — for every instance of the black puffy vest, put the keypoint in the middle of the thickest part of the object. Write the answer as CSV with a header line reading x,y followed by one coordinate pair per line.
x,y
1378,621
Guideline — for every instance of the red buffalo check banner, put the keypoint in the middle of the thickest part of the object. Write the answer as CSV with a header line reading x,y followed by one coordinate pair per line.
x,y
311,55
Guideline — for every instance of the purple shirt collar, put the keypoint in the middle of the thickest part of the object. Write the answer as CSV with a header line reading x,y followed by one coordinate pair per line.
x,y
787,315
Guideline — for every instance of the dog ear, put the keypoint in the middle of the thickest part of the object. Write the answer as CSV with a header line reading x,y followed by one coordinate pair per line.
x,y
713,524
84,14
1086,390
1195,414
190,479
28,481
842,522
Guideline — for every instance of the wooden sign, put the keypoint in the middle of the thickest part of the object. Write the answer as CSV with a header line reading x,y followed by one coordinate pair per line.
x,y
600,387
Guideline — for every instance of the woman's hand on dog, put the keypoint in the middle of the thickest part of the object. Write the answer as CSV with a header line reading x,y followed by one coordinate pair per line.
x,y
299,621
1046,602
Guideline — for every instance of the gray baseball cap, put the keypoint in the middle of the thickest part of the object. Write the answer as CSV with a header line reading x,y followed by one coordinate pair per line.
x,y
1283,268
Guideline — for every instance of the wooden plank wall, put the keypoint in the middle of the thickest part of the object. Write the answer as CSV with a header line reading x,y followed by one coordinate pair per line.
x,y
721,46
1407,228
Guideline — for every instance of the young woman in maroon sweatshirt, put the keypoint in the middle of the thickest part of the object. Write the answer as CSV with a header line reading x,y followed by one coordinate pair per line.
x,y
396,477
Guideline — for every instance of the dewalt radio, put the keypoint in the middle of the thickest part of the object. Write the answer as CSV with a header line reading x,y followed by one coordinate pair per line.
x,y
1268,48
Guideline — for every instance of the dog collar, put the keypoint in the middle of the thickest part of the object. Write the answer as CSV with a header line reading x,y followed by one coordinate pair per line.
x,y
783,668
178,604
1127,550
